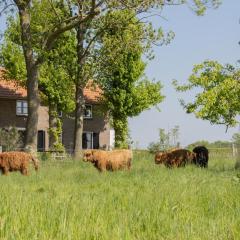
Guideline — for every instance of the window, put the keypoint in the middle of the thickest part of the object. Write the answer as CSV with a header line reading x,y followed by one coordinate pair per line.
x,y
90,140
87,111
87,140
22,108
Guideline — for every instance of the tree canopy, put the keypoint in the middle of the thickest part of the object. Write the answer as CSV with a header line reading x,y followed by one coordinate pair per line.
x,y
218,94
126,92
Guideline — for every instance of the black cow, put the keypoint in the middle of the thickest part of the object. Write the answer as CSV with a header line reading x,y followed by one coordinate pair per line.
x,y
201,158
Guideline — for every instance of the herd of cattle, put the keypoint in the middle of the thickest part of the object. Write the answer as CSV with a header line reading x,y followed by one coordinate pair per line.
x,y
181,157
110,160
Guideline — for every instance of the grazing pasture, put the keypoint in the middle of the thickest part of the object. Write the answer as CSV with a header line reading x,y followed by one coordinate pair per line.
x,y
72,200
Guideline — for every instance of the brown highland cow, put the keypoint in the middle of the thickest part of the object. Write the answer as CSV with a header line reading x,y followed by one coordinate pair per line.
x,y
16,161
109,160
175,158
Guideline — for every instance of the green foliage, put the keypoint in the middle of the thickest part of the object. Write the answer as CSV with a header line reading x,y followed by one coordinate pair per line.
x,y
10,139
56,133
126,93
155,147
55,84
213,145
175,135
218,102
236,138
167,139
164,138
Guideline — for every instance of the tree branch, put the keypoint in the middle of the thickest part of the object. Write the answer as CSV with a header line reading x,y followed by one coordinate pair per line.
x,y
90,43
54,10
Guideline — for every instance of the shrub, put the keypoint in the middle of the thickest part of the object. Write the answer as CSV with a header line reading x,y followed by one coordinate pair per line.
x,y
10,139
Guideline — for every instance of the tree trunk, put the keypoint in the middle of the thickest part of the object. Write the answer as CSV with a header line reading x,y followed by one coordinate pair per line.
x,y
121,131
53,139
32,78
80,83
78,131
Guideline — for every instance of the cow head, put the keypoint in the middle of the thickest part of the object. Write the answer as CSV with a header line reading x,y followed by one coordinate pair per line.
x,y
88,156
160,157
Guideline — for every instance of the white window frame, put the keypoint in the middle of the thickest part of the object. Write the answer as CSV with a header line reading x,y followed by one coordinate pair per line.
x,y
91,115
22,107
91,139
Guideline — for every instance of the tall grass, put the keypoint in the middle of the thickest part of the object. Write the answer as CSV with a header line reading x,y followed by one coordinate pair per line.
x,y
71,200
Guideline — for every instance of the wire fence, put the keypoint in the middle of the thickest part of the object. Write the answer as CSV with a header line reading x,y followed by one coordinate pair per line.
x,y
230,152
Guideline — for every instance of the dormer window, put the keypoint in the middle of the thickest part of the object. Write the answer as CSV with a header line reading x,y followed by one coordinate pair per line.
x,y
21,108
88,111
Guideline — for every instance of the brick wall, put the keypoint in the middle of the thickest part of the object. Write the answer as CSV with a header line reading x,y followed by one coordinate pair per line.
x,y
98,124
8,117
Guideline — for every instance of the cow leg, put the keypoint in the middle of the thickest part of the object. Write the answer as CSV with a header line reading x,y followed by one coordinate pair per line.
x,y
100,167
129,165
5,171
103,168
24,171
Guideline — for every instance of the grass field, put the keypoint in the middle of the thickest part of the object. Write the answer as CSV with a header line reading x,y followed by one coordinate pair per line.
x,y
71,200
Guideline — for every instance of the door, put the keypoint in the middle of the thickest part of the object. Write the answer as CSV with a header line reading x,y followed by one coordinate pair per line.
x,y
96,140
41,141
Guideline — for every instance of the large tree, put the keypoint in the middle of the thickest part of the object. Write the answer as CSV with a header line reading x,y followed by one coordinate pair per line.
x,y
55,84
55,21
121,72
218,94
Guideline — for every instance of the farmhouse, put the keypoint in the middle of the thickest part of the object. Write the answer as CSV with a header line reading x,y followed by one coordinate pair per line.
x,y
14,111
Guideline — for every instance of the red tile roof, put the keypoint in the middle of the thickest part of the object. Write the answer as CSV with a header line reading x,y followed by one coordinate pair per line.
x,y
92,93
10,90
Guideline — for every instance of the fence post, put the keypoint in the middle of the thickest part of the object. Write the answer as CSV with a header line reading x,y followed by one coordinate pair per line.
x,y
233,150
237,164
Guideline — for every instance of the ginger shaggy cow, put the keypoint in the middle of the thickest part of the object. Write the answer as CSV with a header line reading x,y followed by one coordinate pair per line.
x,y
109,160
175,158
16,161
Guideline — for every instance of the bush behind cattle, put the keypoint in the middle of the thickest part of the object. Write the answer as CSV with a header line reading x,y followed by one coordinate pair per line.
x,y
71,200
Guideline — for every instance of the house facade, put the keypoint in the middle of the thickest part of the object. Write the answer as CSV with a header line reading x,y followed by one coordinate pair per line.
x,y
97,132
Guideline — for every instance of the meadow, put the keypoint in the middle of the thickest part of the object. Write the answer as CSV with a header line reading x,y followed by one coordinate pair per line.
x,y
72,200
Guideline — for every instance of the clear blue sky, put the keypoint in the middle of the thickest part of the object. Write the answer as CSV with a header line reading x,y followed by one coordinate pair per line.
x,y
214,36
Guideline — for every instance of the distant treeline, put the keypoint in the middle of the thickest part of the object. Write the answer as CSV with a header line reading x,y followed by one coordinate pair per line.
x,y
216,144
